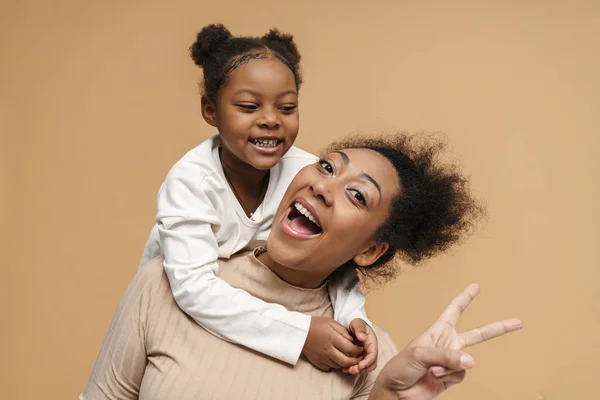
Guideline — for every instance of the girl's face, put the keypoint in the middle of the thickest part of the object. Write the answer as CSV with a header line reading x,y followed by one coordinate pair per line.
x,y
331,211
256,112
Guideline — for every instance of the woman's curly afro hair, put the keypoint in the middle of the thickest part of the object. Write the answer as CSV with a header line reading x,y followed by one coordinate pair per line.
x,y
434,209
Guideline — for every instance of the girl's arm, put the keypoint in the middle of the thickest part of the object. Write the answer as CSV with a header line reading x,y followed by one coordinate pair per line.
x,y
348,300
349,310
186,219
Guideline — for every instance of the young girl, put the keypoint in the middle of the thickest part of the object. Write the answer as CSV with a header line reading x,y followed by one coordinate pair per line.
x,y
224,193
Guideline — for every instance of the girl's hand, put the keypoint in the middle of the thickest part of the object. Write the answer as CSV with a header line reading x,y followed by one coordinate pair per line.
x,y
330,346
364,334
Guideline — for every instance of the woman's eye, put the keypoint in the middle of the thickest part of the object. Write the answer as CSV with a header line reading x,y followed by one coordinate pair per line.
x,y
325,166
358,197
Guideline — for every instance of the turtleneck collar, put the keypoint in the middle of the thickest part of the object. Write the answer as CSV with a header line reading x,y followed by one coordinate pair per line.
x,y
245,271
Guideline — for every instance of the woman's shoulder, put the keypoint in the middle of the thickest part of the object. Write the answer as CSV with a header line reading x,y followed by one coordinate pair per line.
x,y
151,277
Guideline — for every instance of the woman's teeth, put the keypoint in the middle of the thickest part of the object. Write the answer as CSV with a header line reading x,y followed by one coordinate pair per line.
x,y
264,143
306,213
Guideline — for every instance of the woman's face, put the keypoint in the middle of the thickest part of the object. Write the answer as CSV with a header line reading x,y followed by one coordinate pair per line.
x,y
332,210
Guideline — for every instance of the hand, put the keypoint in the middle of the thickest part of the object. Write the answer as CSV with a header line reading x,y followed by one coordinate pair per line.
x,y
412,365
433,360
330,346
365,334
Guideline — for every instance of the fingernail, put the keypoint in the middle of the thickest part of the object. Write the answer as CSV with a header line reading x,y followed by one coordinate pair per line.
x,y
466,361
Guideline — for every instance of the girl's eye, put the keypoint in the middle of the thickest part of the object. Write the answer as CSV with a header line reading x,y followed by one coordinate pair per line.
x,y
326,166
248,107
358,197
287,109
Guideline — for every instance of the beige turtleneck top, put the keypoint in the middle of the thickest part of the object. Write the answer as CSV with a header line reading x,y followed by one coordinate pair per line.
x,y
153,350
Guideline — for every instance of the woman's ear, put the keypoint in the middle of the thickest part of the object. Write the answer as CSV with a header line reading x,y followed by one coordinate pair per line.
x,y
209,111
371,254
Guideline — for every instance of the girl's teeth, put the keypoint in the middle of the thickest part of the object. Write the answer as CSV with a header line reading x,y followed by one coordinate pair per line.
x,y
265,143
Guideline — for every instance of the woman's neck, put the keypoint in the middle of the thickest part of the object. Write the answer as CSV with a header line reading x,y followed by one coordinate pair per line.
x,y
302,278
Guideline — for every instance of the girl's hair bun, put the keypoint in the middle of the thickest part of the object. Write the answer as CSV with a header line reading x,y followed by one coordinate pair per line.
x,y
285,41
209,39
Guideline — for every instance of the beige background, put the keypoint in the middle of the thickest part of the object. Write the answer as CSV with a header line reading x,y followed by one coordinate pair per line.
x,y
99,99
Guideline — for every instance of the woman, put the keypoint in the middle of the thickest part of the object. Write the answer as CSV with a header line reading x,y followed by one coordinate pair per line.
x,y
383,197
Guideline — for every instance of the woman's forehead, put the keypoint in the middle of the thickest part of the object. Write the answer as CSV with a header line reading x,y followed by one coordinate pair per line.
x,y
363,158
367,161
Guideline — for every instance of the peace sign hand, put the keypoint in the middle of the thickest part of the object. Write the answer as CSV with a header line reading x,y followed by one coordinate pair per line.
x,y
432,361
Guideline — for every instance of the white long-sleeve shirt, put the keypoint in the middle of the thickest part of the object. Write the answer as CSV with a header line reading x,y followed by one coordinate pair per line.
x,y
200,220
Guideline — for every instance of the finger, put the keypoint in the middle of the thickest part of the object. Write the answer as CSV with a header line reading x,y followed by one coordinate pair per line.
x,y
359,328
442,357
453,378
369,361
454,310
323,366
339,360
341,330
438,372
367,364
354,370
347,347
366,368
490,331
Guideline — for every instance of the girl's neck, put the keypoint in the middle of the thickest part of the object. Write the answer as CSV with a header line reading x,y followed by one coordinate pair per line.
x,y
301,278
248,184
239,172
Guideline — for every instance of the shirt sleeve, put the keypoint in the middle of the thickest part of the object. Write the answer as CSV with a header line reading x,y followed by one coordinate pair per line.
x,y
347,299
120,366
186,219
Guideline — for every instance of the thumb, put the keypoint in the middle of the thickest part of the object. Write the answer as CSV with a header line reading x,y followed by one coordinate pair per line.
x,y
359,328
449,358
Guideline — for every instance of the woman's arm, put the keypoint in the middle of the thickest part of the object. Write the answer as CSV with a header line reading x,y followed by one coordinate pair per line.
x,y
120,366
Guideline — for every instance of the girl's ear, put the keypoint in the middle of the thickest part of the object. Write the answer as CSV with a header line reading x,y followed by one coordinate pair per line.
x,y
209,111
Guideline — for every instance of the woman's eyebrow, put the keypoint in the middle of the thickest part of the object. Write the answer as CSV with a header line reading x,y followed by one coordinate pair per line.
x,y
363,175
373,181
345,157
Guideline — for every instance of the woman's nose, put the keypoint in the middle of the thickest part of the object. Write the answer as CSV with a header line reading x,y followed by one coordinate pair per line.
x,y
322,190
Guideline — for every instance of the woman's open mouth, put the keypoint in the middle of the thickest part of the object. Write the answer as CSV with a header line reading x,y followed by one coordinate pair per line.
x,y
300,223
